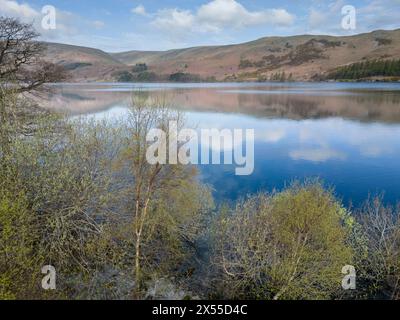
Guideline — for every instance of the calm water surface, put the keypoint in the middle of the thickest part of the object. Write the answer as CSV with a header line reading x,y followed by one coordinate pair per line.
x,y
346,134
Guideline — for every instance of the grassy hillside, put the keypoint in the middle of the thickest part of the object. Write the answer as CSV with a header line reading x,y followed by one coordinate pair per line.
x,y
82,62
304,57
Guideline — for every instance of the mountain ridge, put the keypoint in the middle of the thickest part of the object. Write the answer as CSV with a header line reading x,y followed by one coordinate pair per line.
x,y
304,57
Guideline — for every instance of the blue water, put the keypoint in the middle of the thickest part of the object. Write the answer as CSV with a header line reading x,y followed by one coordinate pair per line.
x,y
348,135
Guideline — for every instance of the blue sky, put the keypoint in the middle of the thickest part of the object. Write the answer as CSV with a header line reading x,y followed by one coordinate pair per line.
x,y
121,25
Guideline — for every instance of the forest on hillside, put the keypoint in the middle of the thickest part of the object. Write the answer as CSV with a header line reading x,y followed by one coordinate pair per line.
x,y
367,69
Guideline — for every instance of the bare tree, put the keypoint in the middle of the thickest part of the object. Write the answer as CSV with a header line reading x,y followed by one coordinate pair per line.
x,y
380,263
153,184
22,70
20,57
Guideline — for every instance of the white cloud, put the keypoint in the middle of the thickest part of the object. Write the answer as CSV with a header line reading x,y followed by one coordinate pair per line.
x,y
98,24
230,13
326,19
69,26
317,155
174,19
274,136
13,8
140,10
216,15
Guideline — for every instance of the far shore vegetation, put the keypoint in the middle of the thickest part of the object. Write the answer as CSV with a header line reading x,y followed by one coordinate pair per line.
x,y
79,195
139,73
388,70
367,71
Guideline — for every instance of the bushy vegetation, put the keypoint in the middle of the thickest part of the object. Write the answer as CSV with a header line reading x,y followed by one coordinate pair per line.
x,y
147,76
246,63
76,65
281,77
288,245
75,195
79,195
383,41
378,250
293,245
367,69
184,77
125,76
139,67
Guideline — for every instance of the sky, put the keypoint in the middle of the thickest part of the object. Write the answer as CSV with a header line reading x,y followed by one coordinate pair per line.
x,y
122,25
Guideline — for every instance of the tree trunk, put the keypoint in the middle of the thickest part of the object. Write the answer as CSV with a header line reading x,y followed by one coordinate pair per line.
x,y
137,268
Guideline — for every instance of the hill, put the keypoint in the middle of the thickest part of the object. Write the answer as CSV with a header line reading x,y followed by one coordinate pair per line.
x,y
301,58
83,63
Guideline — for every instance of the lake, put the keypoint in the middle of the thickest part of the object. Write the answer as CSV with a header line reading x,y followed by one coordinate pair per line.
x,y
347,134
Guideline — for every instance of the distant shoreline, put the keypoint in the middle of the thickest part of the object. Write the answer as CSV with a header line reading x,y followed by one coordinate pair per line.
x,y
227,82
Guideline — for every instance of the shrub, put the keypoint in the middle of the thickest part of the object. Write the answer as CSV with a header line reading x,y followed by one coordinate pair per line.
x,y
378,258
289,245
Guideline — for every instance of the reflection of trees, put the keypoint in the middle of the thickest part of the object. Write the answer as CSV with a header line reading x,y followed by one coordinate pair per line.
x,y
365,106
371,107
83,102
